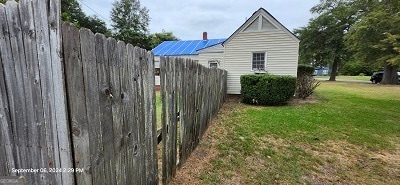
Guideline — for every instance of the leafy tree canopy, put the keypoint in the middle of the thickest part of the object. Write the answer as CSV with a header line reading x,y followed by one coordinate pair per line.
x,y
71,11
322,40
158,38
375,38
129,21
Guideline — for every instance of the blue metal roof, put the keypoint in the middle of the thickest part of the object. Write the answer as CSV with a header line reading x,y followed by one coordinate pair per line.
x,y
184,47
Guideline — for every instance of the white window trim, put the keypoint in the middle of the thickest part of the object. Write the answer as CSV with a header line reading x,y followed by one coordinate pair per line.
x,y
265,60
213,61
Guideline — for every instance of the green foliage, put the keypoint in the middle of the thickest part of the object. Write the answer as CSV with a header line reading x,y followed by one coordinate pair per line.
x,y
130,21
322,40
158,38
303,69
356,68
71,11
306,84
4,1
375,38
267,89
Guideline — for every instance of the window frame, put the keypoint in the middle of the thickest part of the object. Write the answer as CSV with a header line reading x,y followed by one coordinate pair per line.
x,y
265,61
212,61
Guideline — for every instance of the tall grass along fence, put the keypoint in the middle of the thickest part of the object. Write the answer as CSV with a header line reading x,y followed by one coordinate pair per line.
x,y
191,95
79,108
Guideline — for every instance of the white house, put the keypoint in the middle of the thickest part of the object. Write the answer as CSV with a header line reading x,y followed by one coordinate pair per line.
x,y
261,45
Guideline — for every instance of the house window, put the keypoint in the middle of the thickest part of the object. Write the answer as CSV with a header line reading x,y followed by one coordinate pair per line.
x,y
157,71
258,62
213,64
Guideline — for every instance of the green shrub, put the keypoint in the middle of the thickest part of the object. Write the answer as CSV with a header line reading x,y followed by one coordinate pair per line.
x,y
264,89
305,70
306,83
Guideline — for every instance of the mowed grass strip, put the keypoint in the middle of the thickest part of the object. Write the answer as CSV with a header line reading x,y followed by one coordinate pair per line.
x,y
348,134
340,77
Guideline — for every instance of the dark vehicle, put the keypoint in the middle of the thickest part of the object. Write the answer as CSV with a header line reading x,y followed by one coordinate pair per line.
x,y
377,77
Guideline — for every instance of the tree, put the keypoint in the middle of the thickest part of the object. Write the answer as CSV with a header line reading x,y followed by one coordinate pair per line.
x,y
71,11
96,25
158,38
375,38
130,21
322,40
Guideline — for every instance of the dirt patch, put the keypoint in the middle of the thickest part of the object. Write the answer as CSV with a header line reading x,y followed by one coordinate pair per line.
x,y
299,101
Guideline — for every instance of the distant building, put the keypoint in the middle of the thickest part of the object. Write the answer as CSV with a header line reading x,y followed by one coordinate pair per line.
x,y
261,45
322,71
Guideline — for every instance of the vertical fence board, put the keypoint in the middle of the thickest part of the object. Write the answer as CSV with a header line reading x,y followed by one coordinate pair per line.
x,y
150,120
114,63
76,101
17,51
130,90
105,99
139,57
46,79
62,141
32,88
8,103
92,94
121,130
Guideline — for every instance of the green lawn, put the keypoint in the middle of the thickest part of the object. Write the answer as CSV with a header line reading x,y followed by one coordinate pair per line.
x,y
361,78
348,134
158,109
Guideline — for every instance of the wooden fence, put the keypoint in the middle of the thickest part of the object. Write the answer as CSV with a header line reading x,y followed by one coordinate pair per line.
x,y
79,108
191,95
33,115
111,98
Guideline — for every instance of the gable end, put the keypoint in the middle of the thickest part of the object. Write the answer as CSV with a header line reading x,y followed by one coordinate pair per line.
x,y
261,20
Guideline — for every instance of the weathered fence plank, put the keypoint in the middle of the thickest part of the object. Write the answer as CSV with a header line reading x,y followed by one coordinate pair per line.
x,y
17,52
105,101
193,93
169,118
35,129
8,103
92,94
151,159
61,127
76,101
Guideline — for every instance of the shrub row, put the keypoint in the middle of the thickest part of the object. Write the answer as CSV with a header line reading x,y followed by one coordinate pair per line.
x,y
305,70
262,89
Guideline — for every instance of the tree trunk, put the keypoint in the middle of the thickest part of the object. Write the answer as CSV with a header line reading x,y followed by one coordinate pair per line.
x,y
390,75
334,70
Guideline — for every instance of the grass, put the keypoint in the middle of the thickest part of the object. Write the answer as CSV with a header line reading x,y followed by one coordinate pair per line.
x,y
158,109
349,135
360,78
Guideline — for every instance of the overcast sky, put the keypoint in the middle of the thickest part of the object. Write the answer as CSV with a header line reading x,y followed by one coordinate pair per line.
x,y
187,19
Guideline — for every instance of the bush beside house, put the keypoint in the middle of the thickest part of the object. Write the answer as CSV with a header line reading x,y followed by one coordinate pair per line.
x,y
262,89
306,83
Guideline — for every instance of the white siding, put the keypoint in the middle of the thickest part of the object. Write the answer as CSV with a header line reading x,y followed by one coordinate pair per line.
x,y
281,49
205,57
157,63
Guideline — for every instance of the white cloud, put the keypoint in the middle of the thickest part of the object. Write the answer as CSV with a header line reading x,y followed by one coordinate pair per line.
x,y
187,19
